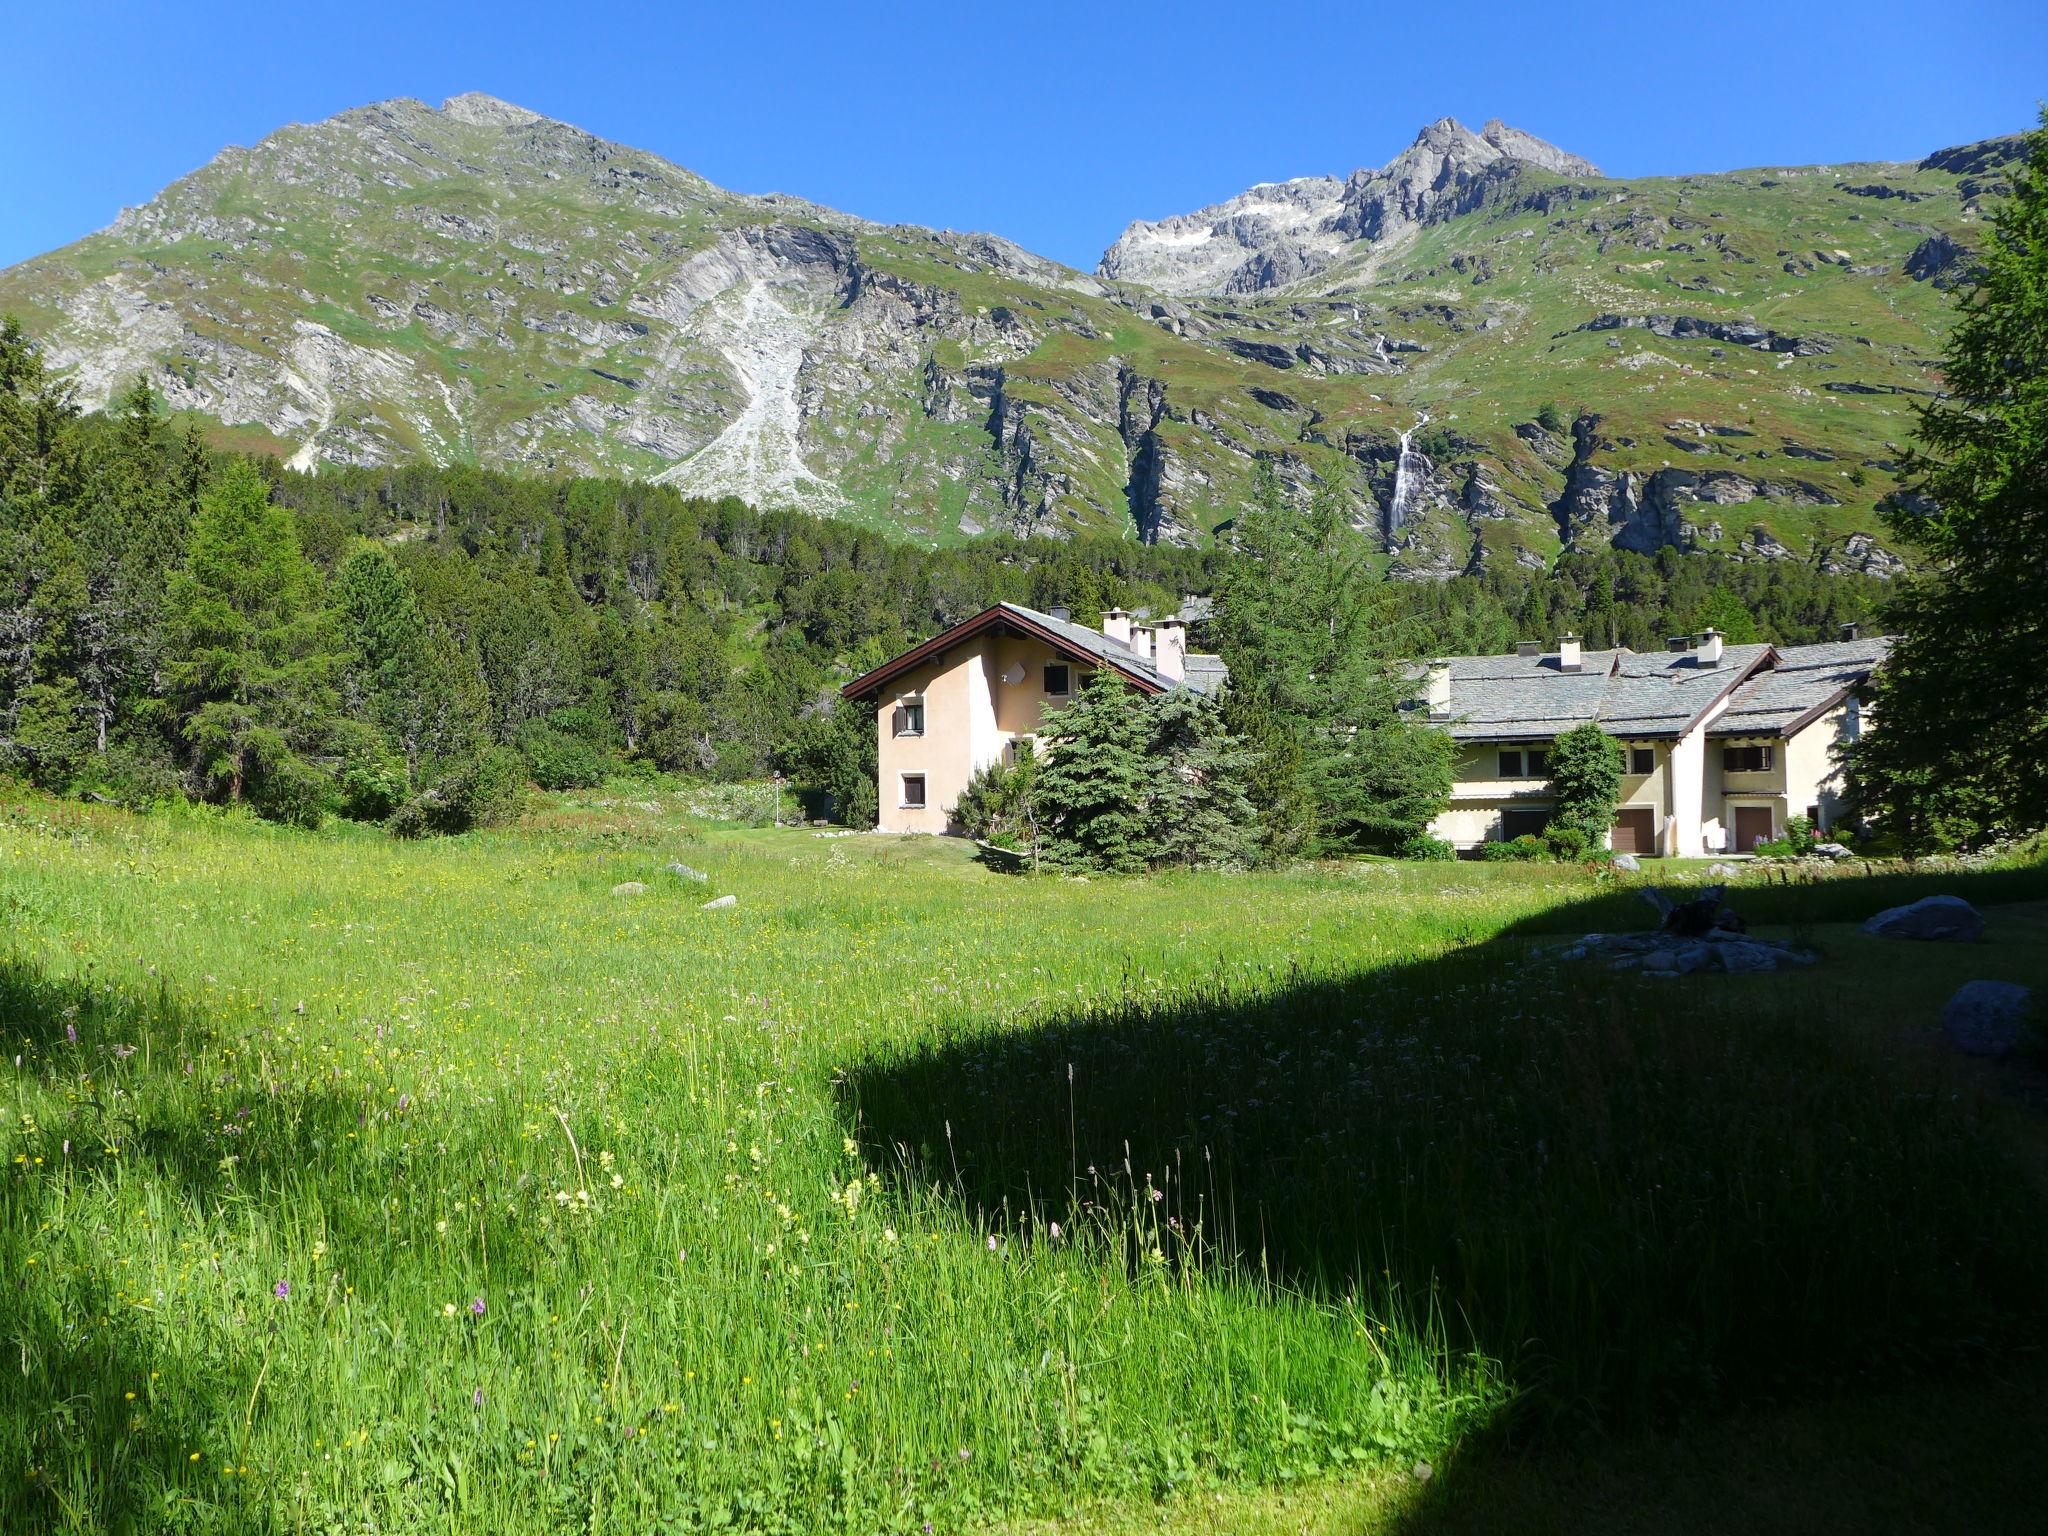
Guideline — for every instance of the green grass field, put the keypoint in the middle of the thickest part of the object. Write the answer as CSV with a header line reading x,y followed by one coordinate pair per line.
x,y
353,1185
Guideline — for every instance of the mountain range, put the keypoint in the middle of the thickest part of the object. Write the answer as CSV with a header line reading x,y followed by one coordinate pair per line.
x,y
1486,349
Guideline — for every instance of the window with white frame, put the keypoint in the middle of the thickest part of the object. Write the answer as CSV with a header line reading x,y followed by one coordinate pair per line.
x,y
912,798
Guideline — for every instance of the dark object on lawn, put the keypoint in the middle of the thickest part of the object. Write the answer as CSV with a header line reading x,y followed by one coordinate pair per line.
x,y
1697,917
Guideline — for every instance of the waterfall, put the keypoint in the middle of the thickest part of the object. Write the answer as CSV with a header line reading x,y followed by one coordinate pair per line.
x,y
1408,472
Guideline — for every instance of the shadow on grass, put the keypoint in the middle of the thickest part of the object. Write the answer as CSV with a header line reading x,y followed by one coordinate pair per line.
x,y
1647,1198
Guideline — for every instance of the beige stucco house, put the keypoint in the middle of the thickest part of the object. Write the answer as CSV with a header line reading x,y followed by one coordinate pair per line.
x,y
1722,744
947,708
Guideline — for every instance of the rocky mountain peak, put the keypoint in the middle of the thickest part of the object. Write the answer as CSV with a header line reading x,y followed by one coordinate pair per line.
x,y
482,111
1280,233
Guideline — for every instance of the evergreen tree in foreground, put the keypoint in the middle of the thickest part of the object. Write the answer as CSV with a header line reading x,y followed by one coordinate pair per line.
x,y
1094,785
1959,736
1316,686
253,652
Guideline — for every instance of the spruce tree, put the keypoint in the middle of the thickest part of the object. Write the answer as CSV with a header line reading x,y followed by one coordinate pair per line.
x,y
253,652
1095,783
1312,641
1199,812
1960,709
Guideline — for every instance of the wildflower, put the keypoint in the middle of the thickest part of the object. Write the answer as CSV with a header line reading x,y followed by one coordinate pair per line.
x,y
447,1309
283,1289
991,1242
1053,1228
476,1308
476,1398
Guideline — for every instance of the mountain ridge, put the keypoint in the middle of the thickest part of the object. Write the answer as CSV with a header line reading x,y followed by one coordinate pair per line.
x,y
1495,353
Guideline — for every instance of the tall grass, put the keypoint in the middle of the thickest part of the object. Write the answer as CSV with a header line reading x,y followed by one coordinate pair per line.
x,y
353,1185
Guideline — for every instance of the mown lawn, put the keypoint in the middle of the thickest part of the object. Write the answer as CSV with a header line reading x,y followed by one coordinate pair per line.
x,y
357,1185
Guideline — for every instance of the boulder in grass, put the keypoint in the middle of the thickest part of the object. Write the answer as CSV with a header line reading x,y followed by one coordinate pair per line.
x,y
1626,861
1833,851
629,888
684,872
717,902
1946,918
1987,1018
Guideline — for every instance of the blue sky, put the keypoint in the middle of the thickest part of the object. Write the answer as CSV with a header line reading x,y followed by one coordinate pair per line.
x,y
1053,124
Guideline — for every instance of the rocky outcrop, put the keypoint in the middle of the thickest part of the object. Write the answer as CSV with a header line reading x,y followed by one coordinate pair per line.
x,y
1738,333
1943,261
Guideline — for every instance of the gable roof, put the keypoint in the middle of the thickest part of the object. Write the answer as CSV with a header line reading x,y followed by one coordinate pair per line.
x,y
1629,694
1807,681
1075,641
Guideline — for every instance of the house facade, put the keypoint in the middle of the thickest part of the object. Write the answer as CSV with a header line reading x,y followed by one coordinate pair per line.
x,y
946,709
1722,744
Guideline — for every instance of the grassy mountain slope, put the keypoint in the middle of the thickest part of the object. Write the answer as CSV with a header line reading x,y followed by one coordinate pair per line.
x,y
1730,360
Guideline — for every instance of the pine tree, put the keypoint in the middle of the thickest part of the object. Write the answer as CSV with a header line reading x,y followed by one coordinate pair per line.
x,y
1199,812
1960,707
1095,783
1309,633
253,652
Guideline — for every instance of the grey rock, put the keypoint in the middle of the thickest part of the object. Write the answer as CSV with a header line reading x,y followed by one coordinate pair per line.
x,y
1947,918
1833,851
1987,1018
683,871
629,888
1722,871
719,901
1628,862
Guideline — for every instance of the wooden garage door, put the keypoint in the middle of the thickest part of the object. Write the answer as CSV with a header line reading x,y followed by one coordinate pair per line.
x,y
1635,830
1752,826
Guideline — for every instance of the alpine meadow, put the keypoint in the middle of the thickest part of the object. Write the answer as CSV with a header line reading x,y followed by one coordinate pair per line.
x,y
673,861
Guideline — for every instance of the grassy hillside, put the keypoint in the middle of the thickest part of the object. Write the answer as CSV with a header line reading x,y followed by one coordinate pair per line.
x,y
451,1185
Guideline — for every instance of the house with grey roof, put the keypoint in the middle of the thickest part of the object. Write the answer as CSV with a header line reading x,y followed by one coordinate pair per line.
x,y
946,709
1722,744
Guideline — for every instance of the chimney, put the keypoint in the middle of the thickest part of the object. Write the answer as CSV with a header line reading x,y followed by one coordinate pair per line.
x,y
1170,648
1061,612
1141,641
1571,655
1528,648
1437,683
1679,644
1852,630
1116,625
1709,651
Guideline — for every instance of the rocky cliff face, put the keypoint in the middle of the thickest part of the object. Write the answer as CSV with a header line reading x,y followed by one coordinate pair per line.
x,y
1483,351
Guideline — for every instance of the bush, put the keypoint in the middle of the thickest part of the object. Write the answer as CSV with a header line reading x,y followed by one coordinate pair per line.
x,y
1427,849
1525,849
487,791
561,756
1550,418
998,806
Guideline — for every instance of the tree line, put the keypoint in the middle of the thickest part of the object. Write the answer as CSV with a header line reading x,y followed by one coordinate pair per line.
x,y
414,643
